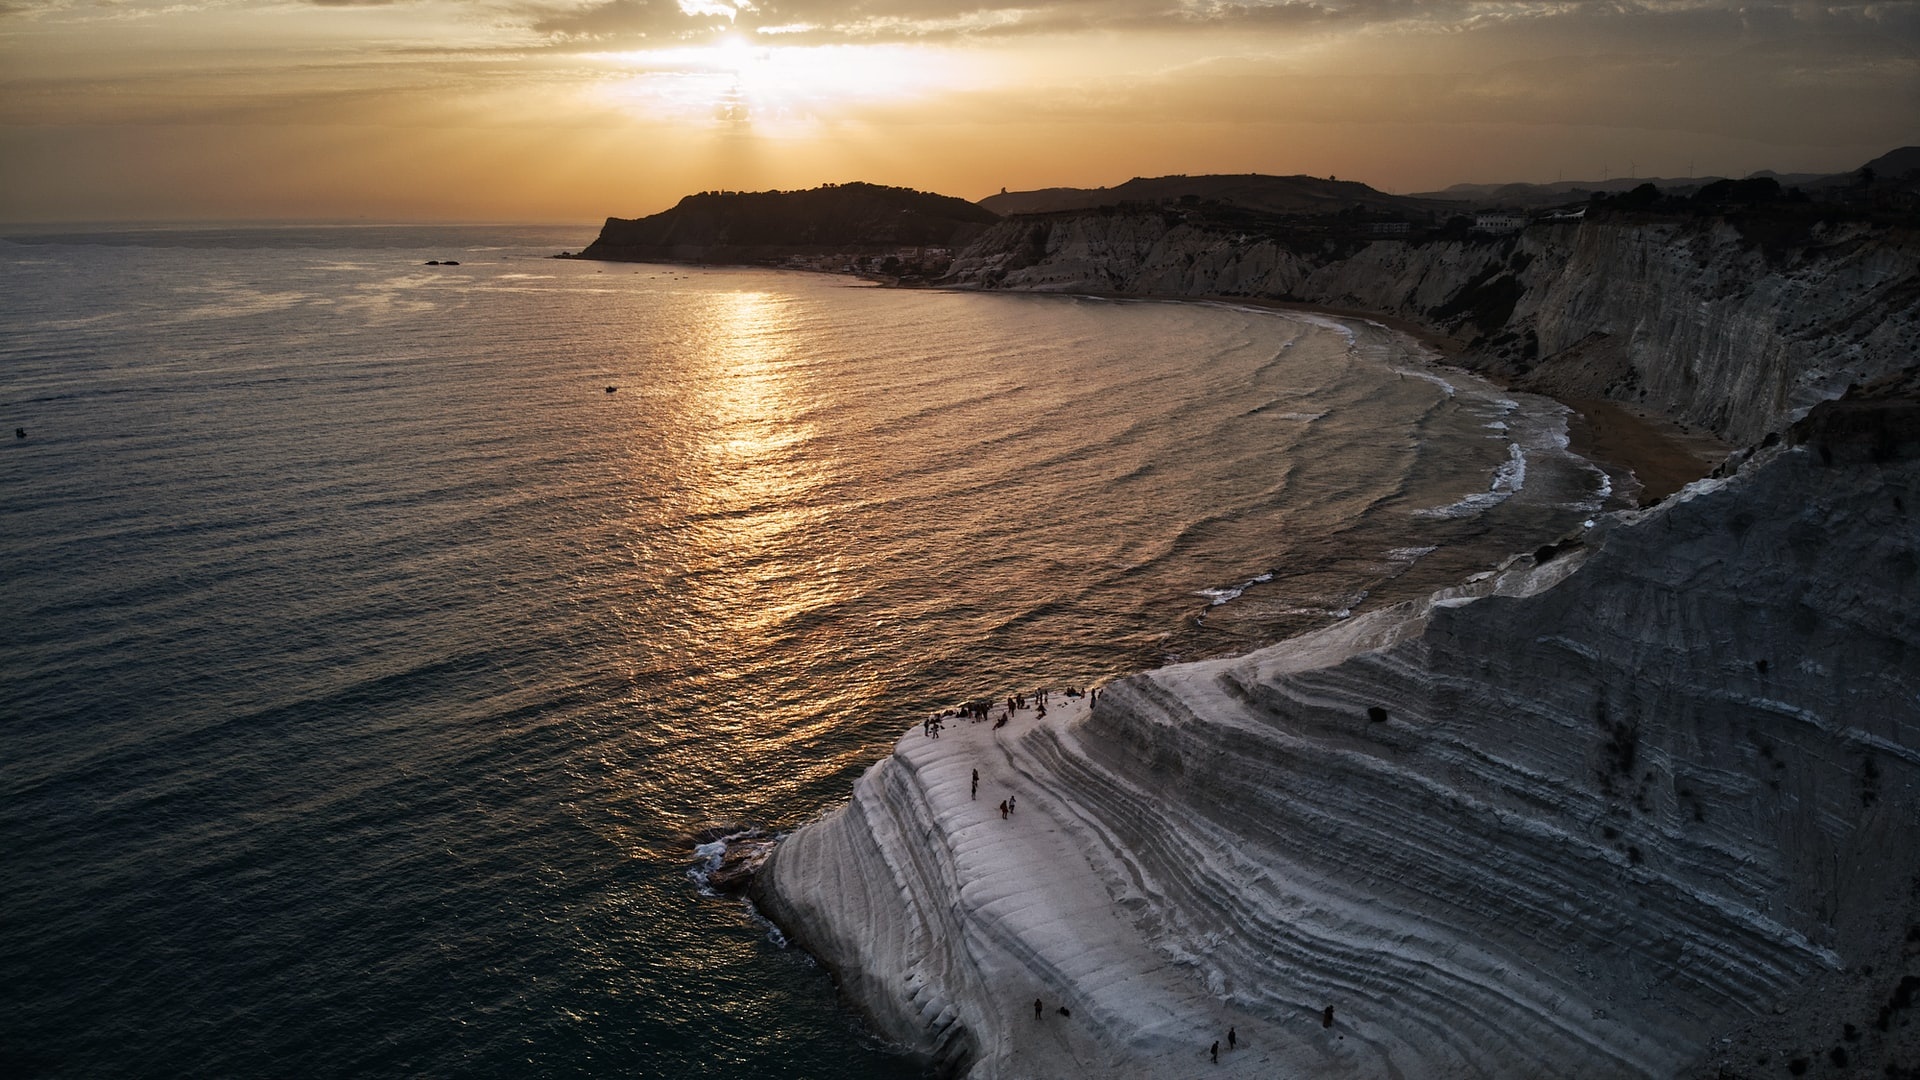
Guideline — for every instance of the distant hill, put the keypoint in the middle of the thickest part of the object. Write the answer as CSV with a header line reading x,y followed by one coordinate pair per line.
x,y
1250,191
1517,196
745,226
1896,163
1560,192
1891,165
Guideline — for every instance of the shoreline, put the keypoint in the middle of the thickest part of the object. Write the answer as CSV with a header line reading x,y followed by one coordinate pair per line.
x,y
1647,456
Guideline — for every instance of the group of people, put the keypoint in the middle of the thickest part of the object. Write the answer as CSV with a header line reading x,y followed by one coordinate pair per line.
x,y
1233,1037
976,711
1232,1041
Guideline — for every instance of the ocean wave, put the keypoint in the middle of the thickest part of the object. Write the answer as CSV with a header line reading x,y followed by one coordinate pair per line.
x,y
1325,322
724,864
1216,597
1421,373
1508,478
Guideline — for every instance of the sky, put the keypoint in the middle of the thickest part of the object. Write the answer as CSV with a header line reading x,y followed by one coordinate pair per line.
x,y
576,110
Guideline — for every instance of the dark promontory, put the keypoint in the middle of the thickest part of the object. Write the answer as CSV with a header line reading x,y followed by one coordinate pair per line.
x,y
770,226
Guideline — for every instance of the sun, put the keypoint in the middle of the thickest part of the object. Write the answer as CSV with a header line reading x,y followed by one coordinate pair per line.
x,y
741,79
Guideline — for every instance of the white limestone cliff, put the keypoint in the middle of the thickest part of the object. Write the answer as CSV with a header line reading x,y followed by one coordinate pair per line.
x,y
1643,808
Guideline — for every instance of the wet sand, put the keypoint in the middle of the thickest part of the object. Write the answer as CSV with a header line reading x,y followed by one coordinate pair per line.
x,y
1648,456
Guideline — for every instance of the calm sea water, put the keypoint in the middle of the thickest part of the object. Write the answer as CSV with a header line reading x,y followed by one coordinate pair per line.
x,y
371,671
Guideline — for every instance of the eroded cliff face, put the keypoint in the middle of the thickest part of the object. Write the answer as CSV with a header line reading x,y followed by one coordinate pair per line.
x,y
1579,817
1715,327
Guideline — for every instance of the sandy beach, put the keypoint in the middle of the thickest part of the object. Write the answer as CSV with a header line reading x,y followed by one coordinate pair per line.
x,y
1648,456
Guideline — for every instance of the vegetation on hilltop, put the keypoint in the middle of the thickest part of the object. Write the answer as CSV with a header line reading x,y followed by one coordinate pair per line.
x,y
739,226
1253,192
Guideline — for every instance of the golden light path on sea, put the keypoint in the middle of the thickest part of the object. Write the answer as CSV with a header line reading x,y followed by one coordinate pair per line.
x,y
764,558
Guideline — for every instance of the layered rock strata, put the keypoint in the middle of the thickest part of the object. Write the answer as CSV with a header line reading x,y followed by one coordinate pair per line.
x,y
1578,817
1709,323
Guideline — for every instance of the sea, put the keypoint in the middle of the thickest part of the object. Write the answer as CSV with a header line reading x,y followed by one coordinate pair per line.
x,y
390,648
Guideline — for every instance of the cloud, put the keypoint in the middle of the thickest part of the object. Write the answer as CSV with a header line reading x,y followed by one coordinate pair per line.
x,y
627,19
830,21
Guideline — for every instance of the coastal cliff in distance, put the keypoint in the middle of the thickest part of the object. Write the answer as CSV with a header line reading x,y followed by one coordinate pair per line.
x,y
1643,803
769,226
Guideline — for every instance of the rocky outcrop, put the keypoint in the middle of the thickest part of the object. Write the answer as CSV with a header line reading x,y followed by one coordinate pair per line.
x,y
1733,327
756,226
1586,816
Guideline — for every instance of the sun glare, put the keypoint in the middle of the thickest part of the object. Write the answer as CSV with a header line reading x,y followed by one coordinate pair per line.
x,y
741,81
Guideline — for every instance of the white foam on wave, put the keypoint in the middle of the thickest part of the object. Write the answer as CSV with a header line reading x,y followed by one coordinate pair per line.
x,y
1602,491
1508,478
1421,373
755,845
1323,321
1216,597
1303,417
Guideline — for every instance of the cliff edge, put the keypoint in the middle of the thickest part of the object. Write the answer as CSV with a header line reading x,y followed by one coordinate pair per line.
x,y
1728,323
1641,803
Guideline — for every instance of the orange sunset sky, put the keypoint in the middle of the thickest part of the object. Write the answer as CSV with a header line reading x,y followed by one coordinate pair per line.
x,y
571,110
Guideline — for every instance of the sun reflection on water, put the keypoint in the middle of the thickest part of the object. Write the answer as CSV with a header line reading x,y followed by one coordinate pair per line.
x,y
759,506
754,447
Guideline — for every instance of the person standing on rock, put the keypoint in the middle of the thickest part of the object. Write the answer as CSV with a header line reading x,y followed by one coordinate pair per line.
x,y
1003,809
1215,1051
1036,1008
1231,1039
1010,803
975,794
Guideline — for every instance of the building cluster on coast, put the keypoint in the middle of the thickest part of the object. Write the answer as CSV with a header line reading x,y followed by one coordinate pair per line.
x,y
907,262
